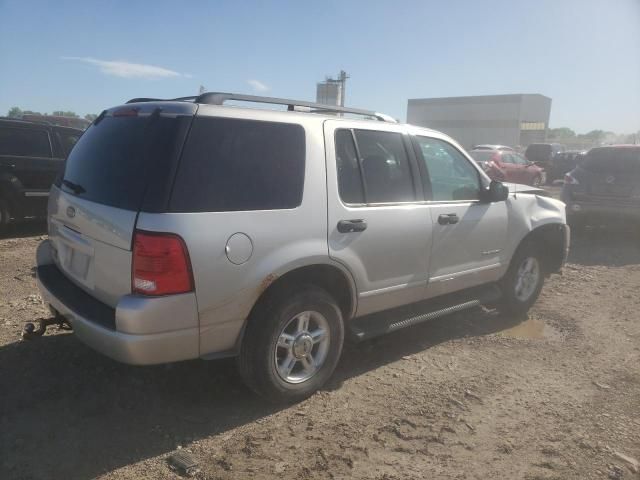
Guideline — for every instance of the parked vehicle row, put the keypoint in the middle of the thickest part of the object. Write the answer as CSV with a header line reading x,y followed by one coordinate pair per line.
x,y
31,156
189,229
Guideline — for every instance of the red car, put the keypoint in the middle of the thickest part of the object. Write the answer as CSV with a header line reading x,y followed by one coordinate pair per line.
x,y
507,166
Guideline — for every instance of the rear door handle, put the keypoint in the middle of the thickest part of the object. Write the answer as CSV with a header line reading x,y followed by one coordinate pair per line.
x,y
448,219
349,226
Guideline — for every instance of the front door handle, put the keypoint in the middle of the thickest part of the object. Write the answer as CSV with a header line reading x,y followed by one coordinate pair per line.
x,y
448,219
349,226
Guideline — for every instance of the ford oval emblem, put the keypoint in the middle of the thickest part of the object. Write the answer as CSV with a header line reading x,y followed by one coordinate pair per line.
x,y
610,179
71,212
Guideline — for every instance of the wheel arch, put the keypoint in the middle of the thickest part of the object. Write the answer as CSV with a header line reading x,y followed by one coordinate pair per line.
x,y
552,241
332,277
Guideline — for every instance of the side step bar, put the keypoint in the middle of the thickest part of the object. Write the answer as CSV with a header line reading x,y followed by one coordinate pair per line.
x,y
376,324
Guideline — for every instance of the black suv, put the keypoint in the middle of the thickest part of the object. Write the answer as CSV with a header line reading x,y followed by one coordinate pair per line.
x,y
604,187
31,156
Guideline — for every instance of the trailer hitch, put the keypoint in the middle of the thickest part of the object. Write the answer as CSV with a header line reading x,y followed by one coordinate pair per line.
x,y
30,332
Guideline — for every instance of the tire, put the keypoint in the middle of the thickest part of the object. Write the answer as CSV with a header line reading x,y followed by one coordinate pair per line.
x,y
526,266
275,341
5,215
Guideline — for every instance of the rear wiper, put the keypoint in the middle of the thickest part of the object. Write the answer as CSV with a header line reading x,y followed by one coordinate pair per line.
x,y
74,187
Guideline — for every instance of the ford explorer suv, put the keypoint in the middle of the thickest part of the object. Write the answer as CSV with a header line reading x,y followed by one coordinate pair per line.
x,y
31,156
605,187
191,228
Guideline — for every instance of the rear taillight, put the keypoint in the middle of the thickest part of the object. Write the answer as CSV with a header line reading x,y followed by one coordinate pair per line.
x,y
569,180
161,264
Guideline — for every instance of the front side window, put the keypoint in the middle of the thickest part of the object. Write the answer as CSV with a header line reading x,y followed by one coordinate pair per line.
x,y
231,164
450,175
23,142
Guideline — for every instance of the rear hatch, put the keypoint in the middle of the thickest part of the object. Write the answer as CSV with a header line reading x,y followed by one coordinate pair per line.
x,y
124,163
611,173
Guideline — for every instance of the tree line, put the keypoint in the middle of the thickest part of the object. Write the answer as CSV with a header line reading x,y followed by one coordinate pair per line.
x,y
16,112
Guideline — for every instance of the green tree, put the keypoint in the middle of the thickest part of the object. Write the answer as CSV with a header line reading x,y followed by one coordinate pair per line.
x,y
14,112
90,117
562,132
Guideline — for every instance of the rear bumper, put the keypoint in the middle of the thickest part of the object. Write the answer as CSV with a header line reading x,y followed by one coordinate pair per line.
x,y
139,331
600,209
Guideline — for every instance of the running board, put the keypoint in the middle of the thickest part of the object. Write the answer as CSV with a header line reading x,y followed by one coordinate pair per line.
x,y
381,323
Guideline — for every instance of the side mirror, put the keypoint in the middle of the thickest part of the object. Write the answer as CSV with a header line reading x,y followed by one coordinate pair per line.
x,y
497,192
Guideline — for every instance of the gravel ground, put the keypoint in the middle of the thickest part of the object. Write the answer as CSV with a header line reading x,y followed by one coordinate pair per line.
x,y
475,395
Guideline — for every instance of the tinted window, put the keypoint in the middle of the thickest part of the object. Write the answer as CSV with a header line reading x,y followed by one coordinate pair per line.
x,y
231,164
24,142
387,173
539,152
613,160
451,175
507,158
113,161
349,179
67,141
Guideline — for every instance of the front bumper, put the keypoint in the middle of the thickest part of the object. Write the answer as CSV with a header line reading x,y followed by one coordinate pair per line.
x,y
139,331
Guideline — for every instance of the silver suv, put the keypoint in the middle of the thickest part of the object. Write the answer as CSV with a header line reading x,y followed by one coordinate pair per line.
x,y
187,228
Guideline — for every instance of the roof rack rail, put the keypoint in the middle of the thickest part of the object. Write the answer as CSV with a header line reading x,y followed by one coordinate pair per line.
x,y
219,98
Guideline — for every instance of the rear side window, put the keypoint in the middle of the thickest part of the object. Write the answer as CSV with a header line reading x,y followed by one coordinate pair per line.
x,y
385,164
67,141
232,164
115,160
349,178
24,142
482,155
613,160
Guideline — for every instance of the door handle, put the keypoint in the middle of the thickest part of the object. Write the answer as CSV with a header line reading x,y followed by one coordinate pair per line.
x,y
349,226
448,219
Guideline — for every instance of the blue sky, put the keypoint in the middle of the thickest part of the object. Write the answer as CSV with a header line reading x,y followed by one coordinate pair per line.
x,y
85,56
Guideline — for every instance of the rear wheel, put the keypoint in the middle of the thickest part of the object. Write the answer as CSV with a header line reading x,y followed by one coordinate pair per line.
x,y
523,282
292,345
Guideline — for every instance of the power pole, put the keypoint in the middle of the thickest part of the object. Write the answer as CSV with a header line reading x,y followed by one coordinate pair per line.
x,y
342,78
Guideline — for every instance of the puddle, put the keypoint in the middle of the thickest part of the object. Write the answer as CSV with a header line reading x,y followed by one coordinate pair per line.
x,y
533,328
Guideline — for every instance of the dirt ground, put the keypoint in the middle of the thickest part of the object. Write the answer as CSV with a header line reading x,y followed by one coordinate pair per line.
x,y
476,395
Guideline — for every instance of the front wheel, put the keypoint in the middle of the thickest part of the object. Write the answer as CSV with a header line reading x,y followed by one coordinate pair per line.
x,y
292,345
537,181
523,282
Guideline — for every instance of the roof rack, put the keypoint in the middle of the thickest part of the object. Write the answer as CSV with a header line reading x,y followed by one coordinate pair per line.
x,y
219,98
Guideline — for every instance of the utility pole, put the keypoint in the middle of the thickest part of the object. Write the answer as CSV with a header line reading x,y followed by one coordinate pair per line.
x,y
342,78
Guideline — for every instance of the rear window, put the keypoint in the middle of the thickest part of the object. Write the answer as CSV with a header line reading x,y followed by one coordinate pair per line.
x,y
113,162
232,164
67,141
613,160
482,155
24,142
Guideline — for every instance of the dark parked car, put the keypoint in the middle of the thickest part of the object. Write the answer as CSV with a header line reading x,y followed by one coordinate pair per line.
x,y
31,156
507,166
543,154
604,187
564,162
